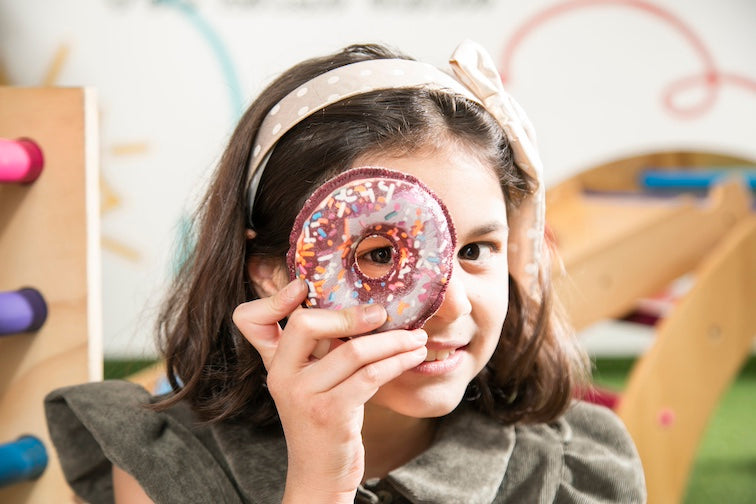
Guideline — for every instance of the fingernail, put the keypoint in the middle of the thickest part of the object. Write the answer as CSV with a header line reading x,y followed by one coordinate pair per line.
x,y
419,336
373,314
420,352
294,289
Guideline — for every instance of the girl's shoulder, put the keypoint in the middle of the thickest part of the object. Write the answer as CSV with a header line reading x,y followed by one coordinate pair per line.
x,y
586,455
172,455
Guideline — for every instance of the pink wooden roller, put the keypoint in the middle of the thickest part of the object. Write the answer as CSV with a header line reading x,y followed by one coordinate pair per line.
x,y
21,160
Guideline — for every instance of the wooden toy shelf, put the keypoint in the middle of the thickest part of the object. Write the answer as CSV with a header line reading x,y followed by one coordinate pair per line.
x,y
49,240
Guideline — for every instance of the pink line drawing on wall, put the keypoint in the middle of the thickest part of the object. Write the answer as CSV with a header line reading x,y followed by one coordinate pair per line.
x,y
711,78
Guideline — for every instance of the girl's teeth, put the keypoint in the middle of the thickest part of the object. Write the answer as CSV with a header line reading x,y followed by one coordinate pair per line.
x,y
437,355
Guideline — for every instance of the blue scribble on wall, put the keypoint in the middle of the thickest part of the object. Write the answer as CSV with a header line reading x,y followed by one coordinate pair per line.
x,y
218,47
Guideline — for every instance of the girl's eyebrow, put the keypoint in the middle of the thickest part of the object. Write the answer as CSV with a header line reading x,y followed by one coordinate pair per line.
x,y
490,227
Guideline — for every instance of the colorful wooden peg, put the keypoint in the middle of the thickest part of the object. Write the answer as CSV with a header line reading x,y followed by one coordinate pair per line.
x,y
21,160
21,460
23,310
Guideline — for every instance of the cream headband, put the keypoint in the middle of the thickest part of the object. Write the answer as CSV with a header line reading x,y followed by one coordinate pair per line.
x,y
476,78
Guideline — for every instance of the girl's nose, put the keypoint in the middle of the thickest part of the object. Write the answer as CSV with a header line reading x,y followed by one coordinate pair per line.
x,y
456,303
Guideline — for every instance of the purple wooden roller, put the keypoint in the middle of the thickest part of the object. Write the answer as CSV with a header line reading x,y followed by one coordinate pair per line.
x,y
21,160
23,310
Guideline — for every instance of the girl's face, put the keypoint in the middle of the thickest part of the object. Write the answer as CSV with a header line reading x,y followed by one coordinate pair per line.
x,y
463,334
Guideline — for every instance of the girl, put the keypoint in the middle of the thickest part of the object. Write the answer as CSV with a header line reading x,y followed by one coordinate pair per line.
x,y
273,402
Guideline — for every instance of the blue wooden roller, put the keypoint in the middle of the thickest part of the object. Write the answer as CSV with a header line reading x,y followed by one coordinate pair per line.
x,y
21,460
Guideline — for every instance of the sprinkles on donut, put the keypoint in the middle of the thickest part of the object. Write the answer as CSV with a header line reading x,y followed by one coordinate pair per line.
x,y
374,235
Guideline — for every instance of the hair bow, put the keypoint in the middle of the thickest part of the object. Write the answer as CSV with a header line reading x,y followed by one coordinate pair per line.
x,y
475,68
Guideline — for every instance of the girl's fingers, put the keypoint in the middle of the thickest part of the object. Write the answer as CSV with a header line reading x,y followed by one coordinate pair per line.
x,y
258,322
362,385
258,319
348,358
306,328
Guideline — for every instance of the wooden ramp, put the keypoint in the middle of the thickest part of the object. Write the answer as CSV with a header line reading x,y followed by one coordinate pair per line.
x,y
619,244
699,348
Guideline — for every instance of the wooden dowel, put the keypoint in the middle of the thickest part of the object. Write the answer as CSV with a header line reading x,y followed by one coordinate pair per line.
x,y
23,310
21,160
22,460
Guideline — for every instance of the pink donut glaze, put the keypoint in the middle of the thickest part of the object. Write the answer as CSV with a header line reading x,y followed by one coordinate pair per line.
x,y
366,202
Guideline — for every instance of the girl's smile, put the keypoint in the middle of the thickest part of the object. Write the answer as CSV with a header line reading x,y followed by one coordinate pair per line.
x,y
441,361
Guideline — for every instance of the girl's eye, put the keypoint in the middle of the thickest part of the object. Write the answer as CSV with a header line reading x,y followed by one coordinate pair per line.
x,y
381,255
376,263
476,252
374,256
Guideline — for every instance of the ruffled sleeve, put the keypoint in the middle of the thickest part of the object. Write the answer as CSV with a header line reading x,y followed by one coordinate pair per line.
x,y
99,424
600,462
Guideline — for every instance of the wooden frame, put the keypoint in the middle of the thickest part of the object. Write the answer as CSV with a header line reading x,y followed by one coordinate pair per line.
x,y
617,246
49,240
699,347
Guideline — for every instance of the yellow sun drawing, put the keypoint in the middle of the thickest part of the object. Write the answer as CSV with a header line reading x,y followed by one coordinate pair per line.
x,y
110,200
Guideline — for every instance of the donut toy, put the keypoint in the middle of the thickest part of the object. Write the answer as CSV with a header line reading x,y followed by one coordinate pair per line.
x,y
374,235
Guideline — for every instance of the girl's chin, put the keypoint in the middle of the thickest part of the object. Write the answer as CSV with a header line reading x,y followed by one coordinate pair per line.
x,y
425,404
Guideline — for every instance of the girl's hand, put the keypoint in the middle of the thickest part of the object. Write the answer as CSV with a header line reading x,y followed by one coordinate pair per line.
x,y
321,401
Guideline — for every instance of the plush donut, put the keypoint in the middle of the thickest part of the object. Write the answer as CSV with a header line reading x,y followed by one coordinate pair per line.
x,y
374,235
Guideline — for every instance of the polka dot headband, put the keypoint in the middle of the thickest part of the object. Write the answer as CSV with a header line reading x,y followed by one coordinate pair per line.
x,y
474,76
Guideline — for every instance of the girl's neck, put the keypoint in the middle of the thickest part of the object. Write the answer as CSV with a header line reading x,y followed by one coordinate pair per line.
x,y
391,440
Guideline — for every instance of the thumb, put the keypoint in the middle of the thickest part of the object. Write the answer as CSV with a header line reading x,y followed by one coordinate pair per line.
x,y
258,320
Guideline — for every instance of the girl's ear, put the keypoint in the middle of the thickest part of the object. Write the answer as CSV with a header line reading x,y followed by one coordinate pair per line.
x,y
268,275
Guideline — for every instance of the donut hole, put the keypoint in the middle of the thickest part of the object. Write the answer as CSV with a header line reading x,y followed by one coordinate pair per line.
x,y
375,257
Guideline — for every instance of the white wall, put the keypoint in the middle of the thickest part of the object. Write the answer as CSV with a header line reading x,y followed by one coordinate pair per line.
x,y
173,75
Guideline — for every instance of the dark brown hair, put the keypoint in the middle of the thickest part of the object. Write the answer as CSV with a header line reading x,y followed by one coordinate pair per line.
x,y
210,364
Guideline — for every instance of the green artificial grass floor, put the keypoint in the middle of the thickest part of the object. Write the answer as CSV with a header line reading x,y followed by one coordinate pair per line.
x,y
725,468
